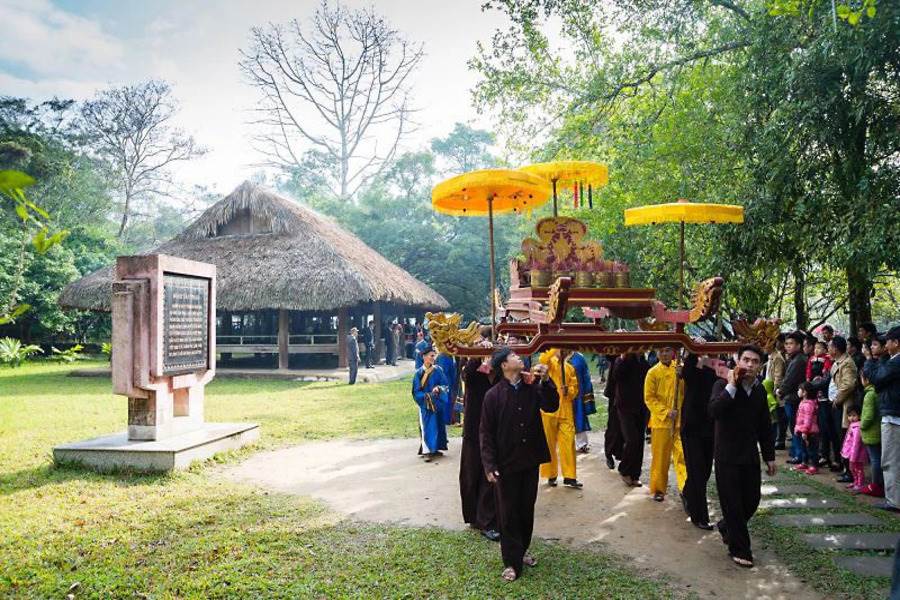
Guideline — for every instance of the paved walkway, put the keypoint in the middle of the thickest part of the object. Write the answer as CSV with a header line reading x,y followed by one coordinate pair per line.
x,y
384,481
861,542
378,374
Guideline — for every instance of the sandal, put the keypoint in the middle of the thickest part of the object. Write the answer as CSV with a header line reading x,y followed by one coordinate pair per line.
x,y
509,574
742,562
528,560
552,482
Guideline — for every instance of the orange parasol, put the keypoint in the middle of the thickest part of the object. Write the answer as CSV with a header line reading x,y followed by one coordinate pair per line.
x,y
486,192
569,172
684,212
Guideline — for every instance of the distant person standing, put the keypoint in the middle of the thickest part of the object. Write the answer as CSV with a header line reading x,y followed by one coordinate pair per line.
x,y
390,348
369,342
884,375
399,345
420,346
352,354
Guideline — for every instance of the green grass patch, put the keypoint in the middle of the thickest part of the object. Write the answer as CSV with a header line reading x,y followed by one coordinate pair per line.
x,y
194,535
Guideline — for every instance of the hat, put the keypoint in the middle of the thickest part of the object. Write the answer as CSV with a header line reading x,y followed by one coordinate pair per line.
x,y
893,333
427,349
499,357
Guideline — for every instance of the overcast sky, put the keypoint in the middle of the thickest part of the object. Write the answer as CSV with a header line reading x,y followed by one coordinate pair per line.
x,y
71,48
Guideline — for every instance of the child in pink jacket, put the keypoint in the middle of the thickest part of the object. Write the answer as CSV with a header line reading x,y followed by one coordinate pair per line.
x,y
807,425
854,451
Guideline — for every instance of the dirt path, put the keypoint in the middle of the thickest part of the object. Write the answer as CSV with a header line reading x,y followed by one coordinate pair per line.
x,y
384,481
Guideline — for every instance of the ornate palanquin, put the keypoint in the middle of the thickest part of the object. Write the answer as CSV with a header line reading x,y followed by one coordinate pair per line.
x,y
534,314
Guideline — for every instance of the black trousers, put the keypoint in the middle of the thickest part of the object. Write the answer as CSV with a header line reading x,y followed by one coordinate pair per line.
x,y
698,457
612,437
738,487
354,367
781,426
370,354
829,433
631,427
477,494
515,494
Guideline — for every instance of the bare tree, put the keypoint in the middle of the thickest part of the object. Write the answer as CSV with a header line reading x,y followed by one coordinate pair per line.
x,y
339,91
132,128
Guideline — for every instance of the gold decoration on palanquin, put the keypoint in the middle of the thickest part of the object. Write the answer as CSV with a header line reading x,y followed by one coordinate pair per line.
x,y
762,332
705,298
562,236
651,324
498,300
445,331
553,304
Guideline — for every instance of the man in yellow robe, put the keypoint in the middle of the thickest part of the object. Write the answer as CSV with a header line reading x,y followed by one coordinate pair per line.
x,y
559,426
664,395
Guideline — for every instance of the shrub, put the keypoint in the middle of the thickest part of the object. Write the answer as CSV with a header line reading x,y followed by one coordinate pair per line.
x,y
12,352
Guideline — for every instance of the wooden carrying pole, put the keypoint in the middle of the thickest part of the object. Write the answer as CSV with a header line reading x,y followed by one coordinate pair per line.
x,y
493,282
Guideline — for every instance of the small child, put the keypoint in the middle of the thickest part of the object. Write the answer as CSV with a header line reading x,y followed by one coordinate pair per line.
x,y
819,364
807,426
855,451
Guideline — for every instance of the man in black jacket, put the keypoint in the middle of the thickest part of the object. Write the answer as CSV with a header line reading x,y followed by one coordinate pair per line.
x,y
743,429
885,376
794,375
697,435
513,445
369,341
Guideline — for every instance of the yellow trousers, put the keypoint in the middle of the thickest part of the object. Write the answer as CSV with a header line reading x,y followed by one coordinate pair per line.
x,y
561,441
665,447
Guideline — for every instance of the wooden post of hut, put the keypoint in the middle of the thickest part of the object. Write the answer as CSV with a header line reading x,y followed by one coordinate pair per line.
x,y
379,343
284,324
343,331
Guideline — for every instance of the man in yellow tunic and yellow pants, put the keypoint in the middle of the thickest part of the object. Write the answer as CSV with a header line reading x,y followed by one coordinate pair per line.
x,y
664,395
559,426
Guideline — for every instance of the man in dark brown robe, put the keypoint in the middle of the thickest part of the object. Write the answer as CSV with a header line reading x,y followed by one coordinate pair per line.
x,y
478,505
628,373
513,445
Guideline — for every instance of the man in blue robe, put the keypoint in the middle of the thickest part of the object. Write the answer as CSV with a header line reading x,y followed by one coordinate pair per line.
x,y
447,363
421,344
584,401
430,391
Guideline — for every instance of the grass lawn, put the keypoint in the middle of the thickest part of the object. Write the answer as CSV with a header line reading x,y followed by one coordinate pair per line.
x,y
193,535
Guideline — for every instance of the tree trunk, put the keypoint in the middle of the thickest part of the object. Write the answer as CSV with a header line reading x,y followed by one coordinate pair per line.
x,y
800,313
125,212
859,288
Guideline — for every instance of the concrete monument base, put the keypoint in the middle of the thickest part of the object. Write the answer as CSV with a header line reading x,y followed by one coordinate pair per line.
x,y
116,451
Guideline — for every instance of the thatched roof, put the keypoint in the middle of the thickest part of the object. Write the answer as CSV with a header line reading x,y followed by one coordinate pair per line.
x,y
303,261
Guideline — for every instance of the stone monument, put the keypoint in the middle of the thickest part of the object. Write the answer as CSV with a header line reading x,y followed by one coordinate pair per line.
x,y
163,355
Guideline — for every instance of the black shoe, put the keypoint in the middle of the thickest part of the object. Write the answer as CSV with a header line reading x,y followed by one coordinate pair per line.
x,y
491,534
572,483
684,504
845,478
792,461
779,446
703,525
888,507
658,497
610,462
823,462
552,482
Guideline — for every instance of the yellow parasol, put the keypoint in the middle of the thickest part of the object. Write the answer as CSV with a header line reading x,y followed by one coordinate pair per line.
x,y
486,192
684,212
569,172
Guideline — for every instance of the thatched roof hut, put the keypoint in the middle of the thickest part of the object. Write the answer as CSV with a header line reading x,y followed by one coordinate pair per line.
x,y
273,253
